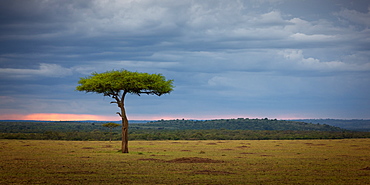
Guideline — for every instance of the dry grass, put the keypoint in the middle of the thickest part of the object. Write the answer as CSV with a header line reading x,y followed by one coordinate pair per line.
x,y
186,162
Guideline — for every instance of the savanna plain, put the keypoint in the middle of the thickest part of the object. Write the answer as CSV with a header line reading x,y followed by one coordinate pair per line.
x,y
342,161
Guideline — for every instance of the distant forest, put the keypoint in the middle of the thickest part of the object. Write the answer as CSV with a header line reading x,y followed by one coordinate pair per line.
x,y
236,124
351,124
180,129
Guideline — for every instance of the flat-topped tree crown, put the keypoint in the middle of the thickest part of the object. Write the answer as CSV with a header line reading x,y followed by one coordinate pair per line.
x,y
112,82
116,84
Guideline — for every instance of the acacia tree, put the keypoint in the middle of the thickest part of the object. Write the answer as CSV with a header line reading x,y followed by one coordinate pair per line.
x,y
118,83
110,126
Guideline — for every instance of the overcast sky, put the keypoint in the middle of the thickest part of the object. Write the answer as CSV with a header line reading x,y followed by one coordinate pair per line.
x,y
251,59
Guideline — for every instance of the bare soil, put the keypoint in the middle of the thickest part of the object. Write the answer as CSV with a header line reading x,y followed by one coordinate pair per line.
x,y
194,160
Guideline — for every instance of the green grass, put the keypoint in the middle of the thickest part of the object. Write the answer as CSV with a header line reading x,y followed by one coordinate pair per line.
x,y
186,162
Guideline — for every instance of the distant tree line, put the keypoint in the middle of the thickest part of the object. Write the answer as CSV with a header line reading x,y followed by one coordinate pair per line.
x,y
237,124
224,129
43,126
350,124
149,134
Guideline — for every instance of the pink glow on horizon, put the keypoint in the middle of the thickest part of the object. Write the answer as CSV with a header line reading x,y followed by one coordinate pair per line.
x,y
58,117
83,117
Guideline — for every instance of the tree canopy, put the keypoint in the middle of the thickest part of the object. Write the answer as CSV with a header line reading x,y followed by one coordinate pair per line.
x,y
110,126
110,83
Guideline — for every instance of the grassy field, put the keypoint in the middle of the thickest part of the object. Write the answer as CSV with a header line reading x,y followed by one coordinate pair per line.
x,y
186,162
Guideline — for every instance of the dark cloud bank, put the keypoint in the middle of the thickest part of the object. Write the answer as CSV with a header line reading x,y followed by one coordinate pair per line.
x,y
272,58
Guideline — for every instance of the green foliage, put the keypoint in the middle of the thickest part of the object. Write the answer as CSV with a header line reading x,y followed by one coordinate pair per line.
x,y
149,134
84,131
116,84
188,135
58,130
112,82
236,124
43,126
352,124
111,125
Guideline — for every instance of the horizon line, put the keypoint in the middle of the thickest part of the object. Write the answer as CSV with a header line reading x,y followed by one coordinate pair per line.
x,y
183,119
93,117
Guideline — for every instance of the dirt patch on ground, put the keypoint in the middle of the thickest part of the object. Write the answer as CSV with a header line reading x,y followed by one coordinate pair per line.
x,y
156,155
311,144
149,159
243,146
87,148
212,172
367,168
193,160
23,159
211,143
184,160
246,153
74,172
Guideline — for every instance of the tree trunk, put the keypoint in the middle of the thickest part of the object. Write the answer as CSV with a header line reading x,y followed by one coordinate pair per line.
x,y
110,134
121,104
124,131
